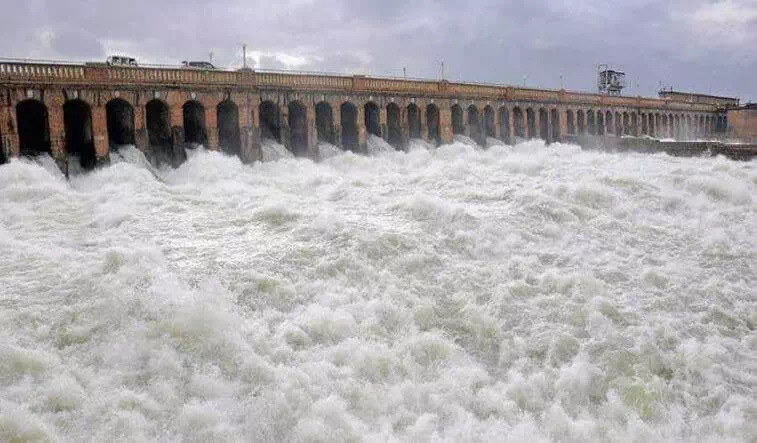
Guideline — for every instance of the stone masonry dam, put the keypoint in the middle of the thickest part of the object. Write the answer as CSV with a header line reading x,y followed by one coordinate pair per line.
x,y
86,110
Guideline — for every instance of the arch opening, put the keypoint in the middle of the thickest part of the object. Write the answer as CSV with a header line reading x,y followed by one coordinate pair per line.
x,y
413,121
490,130
531,122
33,126
77,119
687,127
700,127
600,123
298,128
394,130
658,130
324,122
504,124
608,123
555,121
626,125
372,119
195,133
591,123
518,122
229,139
474,122
580,117
677,127
160,136
664,120
543,125
348,118
270,121
432,121
634,124
458,126
571,122
120,120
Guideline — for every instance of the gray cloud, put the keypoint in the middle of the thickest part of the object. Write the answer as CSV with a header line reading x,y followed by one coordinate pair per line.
x,y
700,45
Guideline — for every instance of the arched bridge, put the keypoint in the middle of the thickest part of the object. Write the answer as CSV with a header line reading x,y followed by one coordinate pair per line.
x,y
87,110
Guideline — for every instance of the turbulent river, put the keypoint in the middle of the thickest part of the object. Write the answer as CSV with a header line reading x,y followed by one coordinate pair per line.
x,y
515,294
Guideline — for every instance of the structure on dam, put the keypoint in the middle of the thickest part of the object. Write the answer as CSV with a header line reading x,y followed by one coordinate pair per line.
x,y
86,110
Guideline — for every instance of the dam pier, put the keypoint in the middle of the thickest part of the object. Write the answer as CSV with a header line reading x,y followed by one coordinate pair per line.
x,y
87,110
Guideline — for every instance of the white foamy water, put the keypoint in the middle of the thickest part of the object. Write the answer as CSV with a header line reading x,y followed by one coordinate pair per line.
x,y
327,150
538,294
272,150
378,146
492,142
420,144
465,140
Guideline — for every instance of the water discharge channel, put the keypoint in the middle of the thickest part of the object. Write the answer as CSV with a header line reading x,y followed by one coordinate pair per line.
x,y
516,293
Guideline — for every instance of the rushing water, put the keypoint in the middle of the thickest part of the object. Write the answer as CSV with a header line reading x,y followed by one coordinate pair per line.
x,y
525,294
378,146
273,151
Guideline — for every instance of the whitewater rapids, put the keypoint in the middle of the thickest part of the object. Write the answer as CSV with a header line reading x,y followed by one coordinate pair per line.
x,y
524,293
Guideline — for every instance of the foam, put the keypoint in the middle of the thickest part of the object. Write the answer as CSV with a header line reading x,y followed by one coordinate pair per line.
x,y
515,293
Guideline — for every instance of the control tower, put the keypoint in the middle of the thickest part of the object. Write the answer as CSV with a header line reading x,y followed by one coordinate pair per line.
x,y
609,81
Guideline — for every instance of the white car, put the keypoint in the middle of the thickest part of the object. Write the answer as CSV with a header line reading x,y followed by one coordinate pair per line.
x,y
197,65
117,60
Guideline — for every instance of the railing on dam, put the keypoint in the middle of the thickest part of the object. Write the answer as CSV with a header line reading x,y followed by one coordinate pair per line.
x,y
41,72
304,81
99,74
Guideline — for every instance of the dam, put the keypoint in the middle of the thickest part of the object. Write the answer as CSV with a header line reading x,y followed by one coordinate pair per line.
x,y
85,110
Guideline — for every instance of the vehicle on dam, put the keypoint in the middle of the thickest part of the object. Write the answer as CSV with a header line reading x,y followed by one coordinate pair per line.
x,y
197,65
117,60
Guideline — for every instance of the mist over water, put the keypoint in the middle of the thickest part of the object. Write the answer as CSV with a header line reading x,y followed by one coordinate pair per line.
x,y
525,293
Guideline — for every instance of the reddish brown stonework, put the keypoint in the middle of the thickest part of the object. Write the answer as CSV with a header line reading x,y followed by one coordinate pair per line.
x,y
97,86
742,123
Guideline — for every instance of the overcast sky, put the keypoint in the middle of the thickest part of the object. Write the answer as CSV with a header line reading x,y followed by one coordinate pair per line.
x,y
693,45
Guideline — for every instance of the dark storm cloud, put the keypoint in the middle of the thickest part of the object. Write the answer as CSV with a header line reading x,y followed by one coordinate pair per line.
x,y
690,44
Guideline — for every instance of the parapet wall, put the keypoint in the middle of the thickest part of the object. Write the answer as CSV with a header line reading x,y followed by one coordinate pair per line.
x,y
100,76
